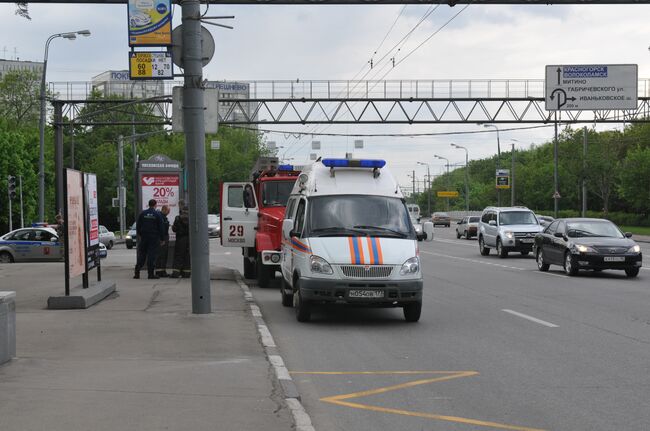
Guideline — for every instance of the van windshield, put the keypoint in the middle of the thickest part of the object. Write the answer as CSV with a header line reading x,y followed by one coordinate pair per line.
x,y
355,215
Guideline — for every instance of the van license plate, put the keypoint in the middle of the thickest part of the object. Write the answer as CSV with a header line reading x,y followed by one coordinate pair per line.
x,y
366,294
614,259
527,240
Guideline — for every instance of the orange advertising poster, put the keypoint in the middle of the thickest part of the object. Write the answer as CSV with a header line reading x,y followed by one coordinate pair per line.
x,y
75,223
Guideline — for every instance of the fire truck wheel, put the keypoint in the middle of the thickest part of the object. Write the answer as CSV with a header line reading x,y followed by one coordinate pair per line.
x,y
249,268
265,273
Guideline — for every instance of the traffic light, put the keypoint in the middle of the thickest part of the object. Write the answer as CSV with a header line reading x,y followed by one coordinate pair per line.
x,y
11,186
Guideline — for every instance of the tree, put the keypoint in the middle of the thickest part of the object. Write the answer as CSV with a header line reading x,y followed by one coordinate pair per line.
x,y
635,179
20,98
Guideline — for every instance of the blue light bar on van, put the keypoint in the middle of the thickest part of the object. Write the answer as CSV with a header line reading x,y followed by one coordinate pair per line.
x,y
285,168
354,163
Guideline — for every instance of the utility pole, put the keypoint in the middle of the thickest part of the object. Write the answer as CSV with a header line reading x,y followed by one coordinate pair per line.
x,y
413,177
584,172
556,193
193,121
20,190
120,181
512,185
428,187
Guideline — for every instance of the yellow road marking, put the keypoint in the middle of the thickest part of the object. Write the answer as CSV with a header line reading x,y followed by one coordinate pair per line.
x,y
444,375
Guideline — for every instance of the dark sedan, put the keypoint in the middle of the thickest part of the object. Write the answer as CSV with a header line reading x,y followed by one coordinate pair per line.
x,y
586,243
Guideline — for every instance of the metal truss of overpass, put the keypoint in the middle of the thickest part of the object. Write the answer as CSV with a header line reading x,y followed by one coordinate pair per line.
x,y
360,102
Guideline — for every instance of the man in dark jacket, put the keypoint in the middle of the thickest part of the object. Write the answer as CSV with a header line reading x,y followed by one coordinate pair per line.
x,y
181,227
161,262
149,229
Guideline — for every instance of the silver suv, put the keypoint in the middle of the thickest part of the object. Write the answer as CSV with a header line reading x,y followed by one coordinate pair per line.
x,y
507,229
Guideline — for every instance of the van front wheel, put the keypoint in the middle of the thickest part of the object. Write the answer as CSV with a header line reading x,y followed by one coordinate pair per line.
x,y
287,293
413,311
303,309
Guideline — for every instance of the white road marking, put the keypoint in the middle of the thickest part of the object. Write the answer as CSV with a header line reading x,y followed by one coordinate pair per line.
x,y
457,242
550,273
532,319
482,262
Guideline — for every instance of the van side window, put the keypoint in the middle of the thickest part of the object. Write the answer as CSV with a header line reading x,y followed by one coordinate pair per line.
x,y
289,212
486,217
561,227
299,221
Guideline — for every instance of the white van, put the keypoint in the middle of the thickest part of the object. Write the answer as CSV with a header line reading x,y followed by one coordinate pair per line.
x,y
347,238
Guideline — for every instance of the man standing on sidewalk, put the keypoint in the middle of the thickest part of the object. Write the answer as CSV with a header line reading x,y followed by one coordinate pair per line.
x,y
161,262
182,248
149,228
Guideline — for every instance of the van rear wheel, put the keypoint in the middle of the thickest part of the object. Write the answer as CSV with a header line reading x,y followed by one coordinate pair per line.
x,y
482,248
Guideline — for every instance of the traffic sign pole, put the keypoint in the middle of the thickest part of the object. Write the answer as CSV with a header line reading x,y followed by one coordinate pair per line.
x,y
555,173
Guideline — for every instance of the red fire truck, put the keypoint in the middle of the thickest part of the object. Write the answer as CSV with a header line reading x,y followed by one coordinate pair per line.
x,y
252,214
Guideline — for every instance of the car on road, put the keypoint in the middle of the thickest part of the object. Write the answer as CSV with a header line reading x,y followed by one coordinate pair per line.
x,y
587,243
131,237
508,229
214,225
441,218
106,237
467,227
103,252
34,244
544,220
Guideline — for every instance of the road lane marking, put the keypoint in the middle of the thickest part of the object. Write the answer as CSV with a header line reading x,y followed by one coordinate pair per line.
x,y
482,262
531,318
342,400
457,242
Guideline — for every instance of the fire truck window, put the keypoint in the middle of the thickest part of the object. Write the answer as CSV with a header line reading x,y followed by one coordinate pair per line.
x,y
249,196
236,196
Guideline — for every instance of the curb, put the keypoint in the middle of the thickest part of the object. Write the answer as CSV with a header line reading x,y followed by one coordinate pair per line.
x,y
301,418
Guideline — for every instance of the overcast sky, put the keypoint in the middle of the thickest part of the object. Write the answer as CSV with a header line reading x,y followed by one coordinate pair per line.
x,y
336,42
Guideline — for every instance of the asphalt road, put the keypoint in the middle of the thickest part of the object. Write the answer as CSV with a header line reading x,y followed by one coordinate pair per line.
x,y
500,345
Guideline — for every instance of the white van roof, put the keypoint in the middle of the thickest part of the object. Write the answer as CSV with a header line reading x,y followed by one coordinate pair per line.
x,y
347,177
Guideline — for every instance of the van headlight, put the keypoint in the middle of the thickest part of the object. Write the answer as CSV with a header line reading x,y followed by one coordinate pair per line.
x,y
128,237
320,265
635,249
411,266
509,234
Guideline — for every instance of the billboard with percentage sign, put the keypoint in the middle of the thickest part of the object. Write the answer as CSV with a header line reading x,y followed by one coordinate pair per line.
x,y
164,188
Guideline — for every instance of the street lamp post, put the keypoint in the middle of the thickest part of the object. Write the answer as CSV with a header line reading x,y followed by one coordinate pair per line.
x,y
498,158
447,160
466,175
41,126
428,187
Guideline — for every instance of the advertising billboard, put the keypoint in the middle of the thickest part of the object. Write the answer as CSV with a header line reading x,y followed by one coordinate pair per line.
x,y
92,210
75,222
150,23
164,188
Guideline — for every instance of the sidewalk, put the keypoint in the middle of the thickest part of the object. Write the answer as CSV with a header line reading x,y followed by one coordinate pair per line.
x,y
139,360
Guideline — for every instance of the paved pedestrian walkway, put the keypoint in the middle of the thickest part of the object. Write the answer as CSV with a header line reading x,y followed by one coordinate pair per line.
x,y
139,360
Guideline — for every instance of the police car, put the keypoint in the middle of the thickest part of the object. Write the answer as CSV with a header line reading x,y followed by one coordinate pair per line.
x,y
34,244
347,238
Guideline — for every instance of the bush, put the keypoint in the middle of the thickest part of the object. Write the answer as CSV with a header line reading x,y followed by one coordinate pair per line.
x,y
619,218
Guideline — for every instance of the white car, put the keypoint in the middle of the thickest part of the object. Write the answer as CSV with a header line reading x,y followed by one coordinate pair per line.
x,y
139,19
106,237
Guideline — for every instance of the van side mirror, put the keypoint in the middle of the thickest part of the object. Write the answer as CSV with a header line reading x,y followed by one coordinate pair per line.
x,y
558,235
492,222
427,230
287,227
628,234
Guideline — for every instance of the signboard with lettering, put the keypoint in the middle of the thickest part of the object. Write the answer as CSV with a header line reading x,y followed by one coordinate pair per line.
x,y
92,211
591,87
75,223
150,23
503,178
151,65
447,194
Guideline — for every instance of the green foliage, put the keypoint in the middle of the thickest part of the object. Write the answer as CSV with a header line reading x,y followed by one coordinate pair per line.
x,y
19,98
616,169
